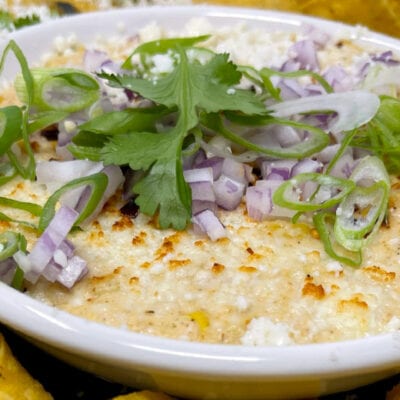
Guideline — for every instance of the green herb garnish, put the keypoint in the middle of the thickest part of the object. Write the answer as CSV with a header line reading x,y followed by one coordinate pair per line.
x,y
190,89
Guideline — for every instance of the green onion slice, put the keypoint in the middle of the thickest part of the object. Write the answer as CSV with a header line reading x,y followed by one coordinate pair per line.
x,y
97,183
324,222
317,140
10,243
60,89
360,215
324,191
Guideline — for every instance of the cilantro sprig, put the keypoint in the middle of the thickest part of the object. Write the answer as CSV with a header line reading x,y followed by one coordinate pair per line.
x,y
192,88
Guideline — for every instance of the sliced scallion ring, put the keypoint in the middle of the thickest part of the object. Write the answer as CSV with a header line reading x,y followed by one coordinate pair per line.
x,y
325,192
360,215
324,222
10,243
97,183
317,140
60,89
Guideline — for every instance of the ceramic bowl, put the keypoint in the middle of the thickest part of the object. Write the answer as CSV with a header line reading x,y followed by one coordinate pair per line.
x,y
184,369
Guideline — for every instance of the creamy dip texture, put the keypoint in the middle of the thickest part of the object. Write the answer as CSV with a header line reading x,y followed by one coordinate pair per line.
x,y
267,282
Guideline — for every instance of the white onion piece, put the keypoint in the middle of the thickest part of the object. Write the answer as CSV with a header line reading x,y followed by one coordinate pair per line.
x,y
380,77
199,175
354,108
55,174
50,240
228,192
209,224
115,180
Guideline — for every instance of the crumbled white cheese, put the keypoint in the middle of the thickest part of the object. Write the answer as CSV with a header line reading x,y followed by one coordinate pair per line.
x,y
241,303
262,331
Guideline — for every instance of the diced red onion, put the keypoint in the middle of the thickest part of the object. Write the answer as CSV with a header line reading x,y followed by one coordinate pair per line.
x,y
326,155
7,270
209,224
201,205
305,53
339,79
258,202
75,270
290,66
228,192
213,162
93,59
344,166
306,165
318,36
386,58
234,170
291,89
198,175
50,240
202,191
283,168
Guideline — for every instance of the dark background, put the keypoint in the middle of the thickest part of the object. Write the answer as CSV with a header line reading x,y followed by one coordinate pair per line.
x,y
65,382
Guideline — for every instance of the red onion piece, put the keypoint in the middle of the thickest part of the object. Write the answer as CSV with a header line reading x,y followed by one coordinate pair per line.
x,y
198,175
228,192
291,89
7,270
344,166
202,191
209,224
306,165
318,36
258,202
75,270
213,162
339,79
201,205
50,241
93,59
304,52
234,170
282,168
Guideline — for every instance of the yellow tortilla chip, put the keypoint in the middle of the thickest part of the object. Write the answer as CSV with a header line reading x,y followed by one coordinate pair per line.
x,y
144,395
15,382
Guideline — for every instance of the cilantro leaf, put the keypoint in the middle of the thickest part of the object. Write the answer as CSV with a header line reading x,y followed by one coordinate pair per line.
x,y
191,88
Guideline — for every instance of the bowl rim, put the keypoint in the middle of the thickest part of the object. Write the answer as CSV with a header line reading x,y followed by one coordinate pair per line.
x,y
75,335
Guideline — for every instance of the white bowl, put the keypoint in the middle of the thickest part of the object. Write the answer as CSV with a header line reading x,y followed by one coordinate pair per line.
x,y
193,370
